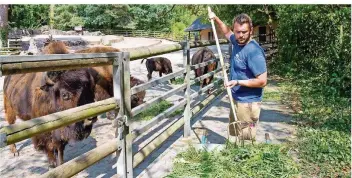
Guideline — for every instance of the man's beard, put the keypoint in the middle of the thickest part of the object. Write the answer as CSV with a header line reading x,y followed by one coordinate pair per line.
x,y
243,42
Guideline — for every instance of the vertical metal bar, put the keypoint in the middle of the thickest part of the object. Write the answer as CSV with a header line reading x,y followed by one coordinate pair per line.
x,y
127,113
187,111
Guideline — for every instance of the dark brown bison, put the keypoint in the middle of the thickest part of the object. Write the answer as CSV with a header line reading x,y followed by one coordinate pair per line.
x,y
103,80
203,55
161,64
33,95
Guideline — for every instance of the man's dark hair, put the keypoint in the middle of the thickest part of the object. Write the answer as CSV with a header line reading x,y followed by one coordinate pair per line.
x,y
242,19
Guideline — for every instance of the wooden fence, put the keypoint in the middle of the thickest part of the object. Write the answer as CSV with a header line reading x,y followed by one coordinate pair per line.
x,y
122,145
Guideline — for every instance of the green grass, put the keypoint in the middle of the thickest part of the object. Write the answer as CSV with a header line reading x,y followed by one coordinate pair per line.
x,y
263,160
323,142
272,96
155,110
324,153
178,81
323,135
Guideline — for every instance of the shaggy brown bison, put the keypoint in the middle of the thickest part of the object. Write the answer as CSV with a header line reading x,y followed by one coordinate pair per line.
x,y
33,95
161,64
203,55
103,80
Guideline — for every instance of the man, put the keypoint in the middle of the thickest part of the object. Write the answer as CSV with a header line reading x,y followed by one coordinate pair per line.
x,y
248,75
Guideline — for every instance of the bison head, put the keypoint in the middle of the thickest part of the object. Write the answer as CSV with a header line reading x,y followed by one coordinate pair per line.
x,y
208,55
69,89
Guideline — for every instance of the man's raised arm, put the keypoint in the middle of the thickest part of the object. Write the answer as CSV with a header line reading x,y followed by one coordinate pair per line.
x,y
224,28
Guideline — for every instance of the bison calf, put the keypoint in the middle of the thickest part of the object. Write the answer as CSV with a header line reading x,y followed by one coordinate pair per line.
x,y
204,55
161,64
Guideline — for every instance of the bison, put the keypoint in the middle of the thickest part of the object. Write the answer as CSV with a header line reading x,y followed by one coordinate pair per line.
x,y
103,80
203,55
32,95
161,64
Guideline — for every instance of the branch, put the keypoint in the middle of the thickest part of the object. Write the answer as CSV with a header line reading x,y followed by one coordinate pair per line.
x,y
168,11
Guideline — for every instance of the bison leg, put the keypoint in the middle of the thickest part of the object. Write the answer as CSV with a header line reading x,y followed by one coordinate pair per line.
x,y
10,117
207,81
51,158
149,75
160,74
111,115
60,155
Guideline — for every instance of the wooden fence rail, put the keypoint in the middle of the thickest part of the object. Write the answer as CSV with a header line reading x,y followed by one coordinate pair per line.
x,y
20,131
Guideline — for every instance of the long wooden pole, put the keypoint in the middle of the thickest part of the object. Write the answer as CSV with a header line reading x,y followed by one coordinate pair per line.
x,y
223,67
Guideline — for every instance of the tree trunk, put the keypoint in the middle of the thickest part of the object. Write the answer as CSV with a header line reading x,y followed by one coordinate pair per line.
x,y
51,15
3,24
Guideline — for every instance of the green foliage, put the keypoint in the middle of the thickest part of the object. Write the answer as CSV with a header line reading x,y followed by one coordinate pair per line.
x,y
261,160
182,19
271,95
178,81
151,17
28,16
227,12
315,42
66,17
324,134
324,153
3,36
106,16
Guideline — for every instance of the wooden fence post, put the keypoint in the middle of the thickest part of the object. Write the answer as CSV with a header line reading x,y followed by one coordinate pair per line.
x,y
185,43
187,111
230,49
122,91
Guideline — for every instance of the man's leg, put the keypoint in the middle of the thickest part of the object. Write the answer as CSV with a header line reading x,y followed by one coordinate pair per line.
x,y
248,114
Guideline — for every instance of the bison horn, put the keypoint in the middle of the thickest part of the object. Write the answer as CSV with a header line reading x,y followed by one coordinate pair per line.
x,y
50,37
53,75
46,82
49,79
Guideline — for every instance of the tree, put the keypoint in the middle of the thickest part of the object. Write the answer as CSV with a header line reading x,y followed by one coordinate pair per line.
x,y
3,24
51,14
317,43
28,16
66,17
148,17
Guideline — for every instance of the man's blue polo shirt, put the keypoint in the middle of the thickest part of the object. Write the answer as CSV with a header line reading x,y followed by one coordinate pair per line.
x,y
246,62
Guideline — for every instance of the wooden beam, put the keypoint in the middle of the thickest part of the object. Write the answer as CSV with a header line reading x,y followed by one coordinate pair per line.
x,y
177,105
152,83
203,64
82,162
27,67
143,52
200,78
153,101
57,57
20,131
156,142
157,119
